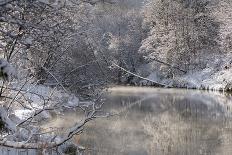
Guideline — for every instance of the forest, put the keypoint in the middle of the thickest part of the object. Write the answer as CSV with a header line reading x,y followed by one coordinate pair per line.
x,y
60,55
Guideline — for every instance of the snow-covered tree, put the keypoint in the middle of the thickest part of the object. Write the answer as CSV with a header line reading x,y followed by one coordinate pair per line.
x,y
180,33
35,39
119,35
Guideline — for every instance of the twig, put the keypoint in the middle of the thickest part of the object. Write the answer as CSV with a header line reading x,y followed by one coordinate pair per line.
x,y
157,83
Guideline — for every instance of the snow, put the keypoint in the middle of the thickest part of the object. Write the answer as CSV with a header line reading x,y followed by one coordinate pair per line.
x,y
42,103
216,76
73,101
38,94
203,79
23,113
37,99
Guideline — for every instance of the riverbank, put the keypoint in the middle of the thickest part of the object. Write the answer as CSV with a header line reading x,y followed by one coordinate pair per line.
x,y
215,76
205,79
27,107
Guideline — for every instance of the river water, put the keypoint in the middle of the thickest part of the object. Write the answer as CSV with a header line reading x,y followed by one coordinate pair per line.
x,y
154,121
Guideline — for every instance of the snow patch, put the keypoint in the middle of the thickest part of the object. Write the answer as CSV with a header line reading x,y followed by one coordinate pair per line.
x,y
216,76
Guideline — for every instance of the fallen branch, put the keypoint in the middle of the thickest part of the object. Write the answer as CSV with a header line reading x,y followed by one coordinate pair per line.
x,y
155,82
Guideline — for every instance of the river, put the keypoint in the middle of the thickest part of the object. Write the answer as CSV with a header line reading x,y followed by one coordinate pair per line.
x,y
157,121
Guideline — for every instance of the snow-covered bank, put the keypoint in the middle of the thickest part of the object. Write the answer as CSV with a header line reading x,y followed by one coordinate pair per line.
x,y
206,79
217,75
40,97
24,108
26,105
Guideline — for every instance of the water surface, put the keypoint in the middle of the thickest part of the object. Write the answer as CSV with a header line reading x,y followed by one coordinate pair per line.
x,y
154,121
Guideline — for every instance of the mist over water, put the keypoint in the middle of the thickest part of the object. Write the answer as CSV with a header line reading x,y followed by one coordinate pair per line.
x,y
162,121
156,121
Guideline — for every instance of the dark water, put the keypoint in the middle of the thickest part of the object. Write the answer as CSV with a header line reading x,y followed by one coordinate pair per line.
x,y
162,122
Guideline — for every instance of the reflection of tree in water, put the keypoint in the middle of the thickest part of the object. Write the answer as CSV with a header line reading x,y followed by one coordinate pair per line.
x,y
187,126
164,124
170,135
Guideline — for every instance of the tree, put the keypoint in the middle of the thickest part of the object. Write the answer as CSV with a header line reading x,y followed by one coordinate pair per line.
x,y
181,34
118,37
35,37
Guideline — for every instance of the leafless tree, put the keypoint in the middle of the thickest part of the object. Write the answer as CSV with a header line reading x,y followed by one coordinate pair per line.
x,y
35,37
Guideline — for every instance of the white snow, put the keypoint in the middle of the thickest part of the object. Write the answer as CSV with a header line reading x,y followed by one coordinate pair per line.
x,y
23,113
216,76
73,101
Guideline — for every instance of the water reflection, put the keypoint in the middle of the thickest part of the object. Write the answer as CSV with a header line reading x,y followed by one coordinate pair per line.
x,y
161,121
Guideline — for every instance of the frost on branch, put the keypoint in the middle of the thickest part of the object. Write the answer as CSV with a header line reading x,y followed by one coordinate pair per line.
x,y
26,109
